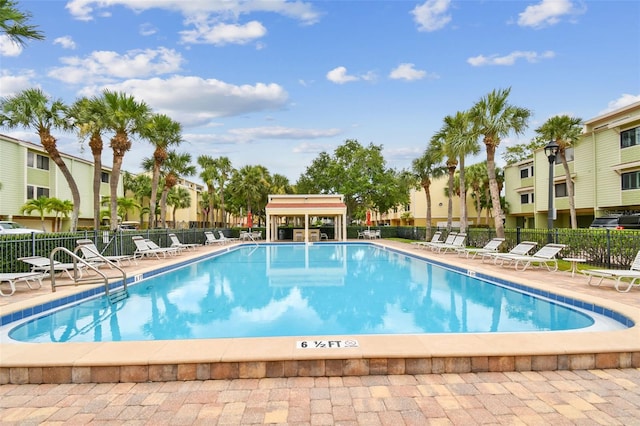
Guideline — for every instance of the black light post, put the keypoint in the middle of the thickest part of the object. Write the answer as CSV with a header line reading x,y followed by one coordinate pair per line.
x,y
551,150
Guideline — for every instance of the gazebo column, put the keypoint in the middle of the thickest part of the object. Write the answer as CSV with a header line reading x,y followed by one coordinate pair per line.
x,y
306,227
267,231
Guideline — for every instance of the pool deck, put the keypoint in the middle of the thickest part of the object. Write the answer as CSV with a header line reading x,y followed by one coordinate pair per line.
x,y
524,379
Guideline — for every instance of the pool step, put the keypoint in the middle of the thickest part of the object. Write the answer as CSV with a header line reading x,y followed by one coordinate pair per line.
x,y
118,295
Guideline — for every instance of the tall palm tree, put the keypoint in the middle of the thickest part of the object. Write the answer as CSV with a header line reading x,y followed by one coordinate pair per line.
x,y
566,131
88,117
224,169
175,166
39,205
162,132
209,175
125,117
31,108
475,175
140,187
15,23
494,118
280,184
462,141
440,141
426,168
249,184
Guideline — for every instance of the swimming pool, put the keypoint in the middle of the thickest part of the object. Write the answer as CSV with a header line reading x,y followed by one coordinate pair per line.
x,y
305,290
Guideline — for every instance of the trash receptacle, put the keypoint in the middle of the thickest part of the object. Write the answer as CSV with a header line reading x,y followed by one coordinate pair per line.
x,y
281,234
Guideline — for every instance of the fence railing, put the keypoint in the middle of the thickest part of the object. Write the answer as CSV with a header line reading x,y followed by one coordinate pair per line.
x,y
604,248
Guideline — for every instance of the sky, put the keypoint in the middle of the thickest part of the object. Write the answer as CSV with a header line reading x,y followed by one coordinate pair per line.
x,y
275,83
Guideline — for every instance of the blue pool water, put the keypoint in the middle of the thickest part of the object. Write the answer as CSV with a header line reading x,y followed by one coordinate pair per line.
x,y
304,290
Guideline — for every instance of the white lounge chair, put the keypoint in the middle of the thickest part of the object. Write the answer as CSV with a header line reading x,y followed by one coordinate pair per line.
x,y
458,243
20,277
225,239
449,240
175,242
143,249
43,265
491,247
435,238
546,256
91,254
618,275
210,238
521,249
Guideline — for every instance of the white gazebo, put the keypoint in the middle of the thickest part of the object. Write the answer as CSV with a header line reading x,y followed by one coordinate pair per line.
x,y
303,207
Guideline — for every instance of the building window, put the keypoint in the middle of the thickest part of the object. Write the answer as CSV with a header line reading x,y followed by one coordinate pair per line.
x,y
631,180
37,161
407,207
561,190
526,198
36,192
526,172
630,137
104,177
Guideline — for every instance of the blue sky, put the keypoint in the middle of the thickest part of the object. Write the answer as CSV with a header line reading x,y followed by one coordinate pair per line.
x,y
275,83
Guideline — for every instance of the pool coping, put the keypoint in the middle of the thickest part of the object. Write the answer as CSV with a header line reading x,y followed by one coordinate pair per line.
x,y
205,359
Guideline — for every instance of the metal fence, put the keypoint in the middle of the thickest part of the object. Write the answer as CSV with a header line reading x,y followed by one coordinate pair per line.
x,y
602,248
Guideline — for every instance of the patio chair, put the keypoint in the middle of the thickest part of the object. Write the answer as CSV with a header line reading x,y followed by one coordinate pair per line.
x,y
20,277
91,254
618,275
175,242
43,265
210,238
491,247
168,250
458,243
143,249
225,239
521,249
435,238
546,256
449,240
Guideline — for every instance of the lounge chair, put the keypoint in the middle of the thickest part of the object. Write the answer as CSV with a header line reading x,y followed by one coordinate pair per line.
x,y
435,238
210,238
458,243
521,249
633,274
491,247
168,250
449,240
175,242
91,254
25,277
546,256
144,250
43,265
225,239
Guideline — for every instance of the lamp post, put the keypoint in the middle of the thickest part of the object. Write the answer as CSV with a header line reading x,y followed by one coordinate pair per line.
x,y
551,150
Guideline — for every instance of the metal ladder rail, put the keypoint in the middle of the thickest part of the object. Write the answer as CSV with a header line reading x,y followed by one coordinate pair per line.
x,y
77,278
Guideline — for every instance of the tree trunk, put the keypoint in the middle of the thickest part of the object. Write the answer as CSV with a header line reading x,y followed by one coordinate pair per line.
x,y
155,179
96,150
450,200
120,144
463,198
427,194
494,190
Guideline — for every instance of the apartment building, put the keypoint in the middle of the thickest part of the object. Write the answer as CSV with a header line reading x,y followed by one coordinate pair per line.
x,y
605,170
27,172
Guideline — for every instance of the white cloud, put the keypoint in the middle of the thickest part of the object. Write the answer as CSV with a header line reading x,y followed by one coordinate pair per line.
x,y
408,72
279,132
196,101
311,148
104,66
339,75
66,42
8,47
432,15
299,10
222,34
12,84
147,29
622,101
547,12
510,59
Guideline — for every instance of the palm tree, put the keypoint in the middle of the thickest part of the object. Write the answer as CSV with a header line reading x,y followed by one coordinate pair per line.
x,y
31,108
494,118
565,131
280,185
209,175
175,166
58,207
249,185
140,187
14,23
125,117
39,205
178,198
224,169
88,117
162,132
441,144
475,175
462,141
425,168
